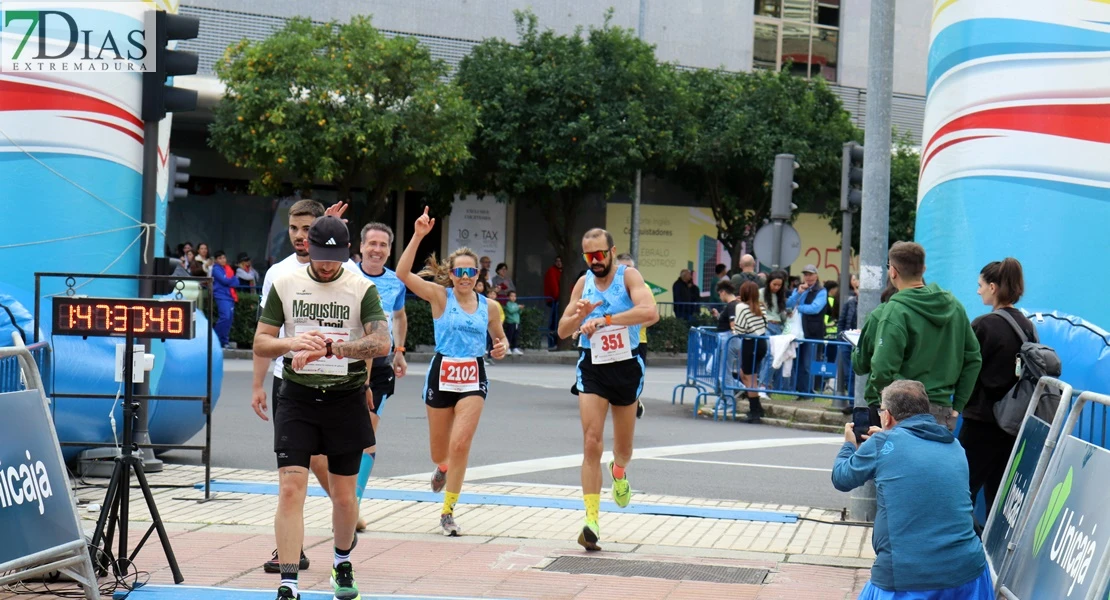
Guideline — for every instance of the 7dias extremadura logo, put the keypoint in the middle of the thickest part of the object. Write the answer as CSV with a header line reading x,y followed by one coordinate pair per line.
x,y
82,37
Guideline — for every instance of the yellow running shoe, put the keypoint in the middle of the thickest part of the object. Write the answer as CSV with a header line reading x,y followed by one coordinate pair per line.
x,y
622,493
589,537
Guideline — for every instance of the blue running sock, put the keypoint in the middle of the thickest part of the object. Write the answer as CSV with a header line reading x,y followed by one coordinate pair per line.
x,y
364,468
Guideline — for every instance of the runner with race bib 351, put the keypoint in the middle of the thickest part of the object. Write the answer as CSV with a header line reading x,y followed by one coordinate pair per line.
x,y
607,307
456,384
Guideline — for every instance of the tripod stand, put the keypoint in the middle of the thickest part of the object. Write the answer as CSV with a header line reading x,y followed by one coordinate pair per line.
x,y
116,508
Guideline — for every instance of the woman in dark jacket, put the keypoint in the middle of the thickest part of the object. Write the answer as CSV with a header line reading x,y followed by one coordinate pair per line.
x,y
988,447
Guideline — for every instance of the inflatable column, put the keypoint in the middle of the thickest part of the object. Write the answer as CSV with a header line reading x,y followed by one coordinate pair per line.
x,y
1015,157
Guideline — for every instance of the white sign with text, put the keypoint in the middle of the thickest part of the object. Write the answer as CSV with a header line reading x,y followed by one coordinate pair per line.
x,y
478,224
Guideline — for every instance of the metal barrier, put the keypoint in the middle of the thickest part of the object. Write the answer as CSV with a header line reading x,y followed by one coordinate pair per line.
x,y
713,367
703,365
1033,448
1044,564
34,557
13,376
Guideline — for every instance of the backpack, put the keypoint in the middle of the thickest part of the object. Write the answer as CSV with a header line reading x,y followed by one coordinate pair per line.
x,y
1034,360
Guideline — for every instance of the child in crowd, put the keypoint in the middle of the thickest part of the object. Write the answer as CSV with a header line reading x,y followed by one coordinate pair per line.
x,y
512,324
492,295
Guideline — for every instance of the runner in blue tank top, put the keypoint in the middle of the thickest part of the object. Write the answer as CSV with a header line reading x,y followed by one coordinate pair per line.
x,y
456,384
375,246
607,308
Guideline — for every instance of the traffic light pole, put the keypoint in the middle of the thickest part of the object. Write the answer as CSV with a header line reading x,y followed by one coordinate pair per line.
x,y
846,223
149,217
875,219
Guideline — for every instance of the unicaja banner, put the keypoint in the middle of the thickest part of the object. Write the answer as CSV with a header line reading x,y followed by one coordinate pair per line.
x,y
1061,548
1014,496
48,36
36,513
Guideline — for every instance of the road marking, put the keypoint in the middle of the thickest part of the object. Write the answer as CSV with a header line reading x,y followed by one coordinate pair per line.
x,y
740,464
536,465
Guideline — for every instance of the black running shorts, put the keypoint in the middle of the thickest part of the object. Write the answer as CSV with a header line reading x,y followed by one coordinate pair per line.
x,y
382,382
436,398
311,421
620,383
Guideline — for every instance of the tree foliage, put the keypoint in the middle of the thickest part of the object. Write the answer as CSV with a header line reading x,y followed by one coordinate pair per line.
x,y
905,165
340,104
563,116
740,122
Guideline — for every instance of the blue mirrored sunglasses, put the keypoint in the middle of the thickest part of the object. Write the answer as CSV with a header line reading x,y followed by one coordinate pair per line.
x,y
470,272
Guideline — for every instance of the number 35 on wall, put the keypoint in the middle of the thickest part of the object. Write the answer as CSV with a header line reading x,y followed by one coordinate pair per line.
x,y
830,258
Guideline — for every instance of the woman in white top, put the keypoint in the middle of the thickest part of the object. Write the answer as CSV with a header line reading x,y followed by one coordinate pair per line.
x,y
751,321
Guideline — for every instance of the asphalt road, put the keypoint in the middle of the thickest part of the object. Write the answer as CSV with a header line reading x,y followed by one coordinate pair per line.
x,y
530,432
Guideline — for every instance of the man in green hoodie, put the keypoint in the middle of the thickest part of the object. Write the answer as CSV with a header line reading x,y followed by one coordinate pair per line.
x,y
924,334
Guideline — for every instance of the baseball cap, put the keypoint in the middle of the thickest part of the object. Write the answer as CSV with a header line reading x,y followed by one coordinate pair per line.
x,y
242,256
810,269
329,240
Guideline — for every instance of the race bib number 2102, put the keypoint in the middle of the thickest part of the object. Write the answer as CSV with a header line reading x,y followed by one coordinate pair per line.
x,y
459,375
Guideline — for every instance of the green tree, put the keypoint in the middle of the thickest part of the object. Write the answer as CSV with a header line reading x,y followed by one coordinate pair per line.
x,y
741,121
563,116
905,165
340,104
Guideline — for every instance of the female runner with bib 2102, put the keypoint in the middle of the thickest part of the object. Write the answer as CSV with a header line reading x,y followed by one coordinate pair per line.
x,y
456,384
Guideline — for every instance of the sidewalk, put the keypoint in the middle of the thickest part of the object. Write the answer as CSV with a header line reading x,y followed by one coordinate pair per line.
x,y
506,551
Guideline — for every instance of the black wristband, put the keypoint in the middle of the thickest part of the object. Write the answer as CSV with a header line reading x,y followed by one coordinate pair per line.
x,y
328,346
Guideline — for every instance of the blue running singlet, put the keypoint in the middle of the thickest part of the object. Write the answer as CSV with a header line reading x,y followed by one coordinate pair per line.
x,y
460,334
614,300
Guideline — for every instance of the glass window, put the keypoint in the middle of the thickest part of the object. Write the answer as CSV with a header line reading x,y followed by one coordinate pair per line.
x,y
766,49
768,8
828,13
802,33
800,11
795,48
825,53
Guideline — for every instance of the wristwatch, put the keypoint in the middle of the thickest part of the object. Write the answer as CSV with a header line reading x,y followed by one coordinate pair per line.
x,y
328,346
608,319
399,349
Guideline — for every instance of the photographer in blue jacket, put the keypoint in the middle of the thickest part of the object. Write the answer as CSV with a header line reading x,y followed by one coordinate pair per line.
x,y
924,536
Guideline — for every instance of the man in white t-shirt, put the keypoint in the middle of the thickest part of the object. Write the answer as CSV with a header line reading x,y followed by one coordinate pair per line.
x,y
301,216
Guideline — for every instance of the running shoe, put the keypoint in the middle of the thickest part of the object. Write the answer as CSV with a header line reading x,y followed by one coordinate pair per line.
x,y
273,566
343,582
450,528
622,493
285,593
439,479
589,537
639,409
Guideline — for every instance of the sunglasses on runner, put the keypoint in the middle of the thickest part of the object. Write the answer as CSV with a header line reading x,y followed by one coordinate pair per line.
x,y
470,272
596,256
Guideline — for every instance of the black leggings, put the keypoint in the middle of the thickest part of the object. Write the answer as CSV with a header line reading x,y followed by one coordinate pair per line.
x,y
988,450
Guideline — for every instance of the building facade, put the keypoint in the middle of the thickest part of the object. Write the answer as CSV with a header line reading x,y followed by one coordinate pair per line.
x,y
827,38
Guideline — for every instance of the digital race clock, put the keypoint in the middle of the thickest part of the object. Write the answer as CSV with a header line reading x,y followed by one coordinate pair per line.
x,y
115,317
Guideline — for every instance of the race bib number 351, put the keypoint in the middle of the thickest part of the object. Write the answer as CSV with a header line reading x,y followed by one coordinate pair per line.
x,y
459,375
610,344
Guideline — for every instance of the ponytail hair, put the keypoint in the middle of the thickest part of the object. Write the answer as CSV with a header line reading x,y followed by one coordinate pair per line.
x,y
1007,276
440,272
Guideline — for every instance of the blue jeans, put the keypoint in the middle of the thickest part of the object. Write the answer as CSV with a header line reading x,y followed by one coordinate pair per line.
x,y
806,354
765,369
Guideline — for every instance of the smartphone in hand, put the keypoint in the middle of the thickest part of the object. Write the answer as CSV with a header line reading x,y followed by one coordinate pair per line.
x,y
861,423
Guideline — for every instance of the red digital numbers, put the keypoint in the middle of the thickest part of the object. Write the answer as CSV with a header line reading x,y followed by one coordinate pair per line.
x,y
175,319
143,318
612,341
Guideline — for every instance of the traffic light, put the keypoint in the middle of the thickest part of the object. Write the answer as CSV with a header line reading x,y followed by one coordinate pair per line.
x,y
851,177
178,170
783,186
158,98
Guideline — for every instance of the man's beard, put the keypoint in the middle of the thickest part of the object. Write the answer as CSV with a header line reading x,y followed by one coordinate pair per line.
x,y
601,270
